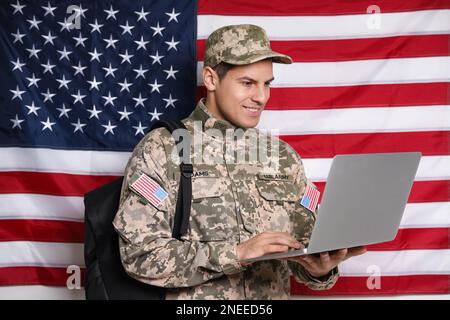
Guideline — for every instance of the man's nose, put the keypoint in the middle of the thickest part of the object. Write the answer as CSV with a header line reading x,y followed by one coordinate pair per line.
x,y
260,95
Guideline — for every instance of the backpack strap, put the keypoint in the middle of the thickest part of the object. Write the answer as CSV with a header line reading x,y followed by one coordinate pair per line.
x,y
183,208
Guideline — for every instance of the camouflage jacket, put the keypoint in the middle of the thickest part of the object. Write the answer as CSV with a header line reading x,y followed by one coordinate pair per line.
x,y
233,200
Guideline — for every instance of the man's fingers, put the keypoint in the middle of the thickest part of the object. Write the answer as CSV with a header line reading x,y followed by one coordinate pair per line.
x,y
272,248
324,257
356,251
279,238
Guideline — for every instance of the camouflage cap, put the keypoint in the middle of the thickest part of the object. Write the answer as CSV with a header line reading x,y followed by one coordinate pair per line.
x,y
239,45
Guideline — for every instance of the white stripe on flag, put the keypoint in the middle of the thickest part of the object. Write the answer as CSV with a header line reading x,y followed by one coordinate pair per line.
x,y
37,292
430,168
335,27
64,161
360,72
33,253
407,262
356,120
30,206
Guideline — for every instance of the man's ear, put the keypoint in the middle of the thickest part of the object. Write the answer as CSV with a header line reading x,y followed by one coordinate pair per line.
x,y
210,78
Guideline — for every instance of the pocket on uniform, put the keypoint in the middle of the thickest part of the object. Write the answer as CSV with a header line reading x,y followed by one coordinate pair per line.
x,y
277,190
277,200
209,220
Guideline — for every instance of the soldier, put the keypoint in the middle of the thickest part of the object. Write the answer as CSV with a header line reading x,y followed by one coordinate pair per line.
x,y
240,209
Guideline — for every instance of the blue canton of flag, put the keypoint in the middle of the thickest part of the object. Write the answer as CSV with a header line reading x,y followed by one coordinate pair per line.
x,y
94,74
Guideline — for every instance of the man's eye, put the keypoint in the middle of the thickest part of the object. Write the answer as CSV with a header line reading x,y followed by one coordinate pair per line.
x,y
247,83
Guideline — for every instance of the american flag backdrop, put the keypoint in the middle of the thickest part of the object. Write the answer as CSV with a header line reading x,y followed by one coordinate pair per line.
x,y
82,82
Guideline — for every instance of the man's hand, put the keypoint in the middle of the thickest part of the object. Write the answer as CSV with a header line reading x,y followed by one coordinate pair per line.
x,y
266,243
323,264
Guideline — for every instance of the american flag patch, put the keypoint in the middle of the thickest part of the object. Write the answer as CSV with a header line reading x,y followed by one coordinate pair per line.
x,y
149,189
310,198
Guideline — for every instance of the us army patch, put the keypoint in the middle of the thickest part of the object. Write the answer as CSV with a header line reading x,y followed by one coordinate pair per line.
x,y
149,189
310,198
281,177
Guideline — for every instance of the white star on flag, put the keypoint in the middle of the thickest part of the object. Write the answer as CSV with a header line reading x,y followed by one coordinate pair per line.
x,y
17,65
157,30
155,86
49,9
78,126
110,42
172,44
108,127
142,14
16,122
110,70
18,7
48,67
170,101
126,57
96,27
124,114
173,15
157,58
109,99
48,95
17,93
80,40
171,73
34,23
141,43
154,114
94,112
63,111
33,52
94,84
63,82
125,85
139,100
64,54
111,13
140,72
127,28
32,108
49,38
18,36
78,97
48,125
139,129
33,81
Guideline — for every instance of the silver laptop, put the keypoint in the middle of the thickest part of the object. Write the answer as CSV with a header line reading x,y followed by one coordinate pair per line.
x,y
363,202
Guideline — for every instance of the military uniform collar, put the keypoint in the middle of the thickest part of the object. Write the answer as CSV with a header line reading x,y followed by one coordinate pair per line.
x,y
202,114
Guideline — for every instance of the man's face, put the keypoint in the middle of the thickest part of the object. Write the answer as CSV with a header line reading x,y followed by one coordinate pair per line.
x,y
242,94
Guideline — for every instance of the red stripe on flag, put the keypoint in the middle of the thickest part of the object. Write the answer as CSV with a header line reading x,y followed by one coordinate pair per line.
x,y
390,285
359,96
416,239
430,143
421,191
357,49
50,276
312,8
50,183
41,230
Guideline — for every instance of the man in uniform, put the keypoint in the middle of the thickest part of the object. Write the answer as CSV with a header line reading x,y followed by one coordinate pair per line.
x,y
240,209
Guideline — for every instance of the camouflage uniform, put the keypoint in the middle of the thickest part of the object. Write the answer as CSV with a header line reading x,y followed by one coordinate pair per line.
x,y
232,202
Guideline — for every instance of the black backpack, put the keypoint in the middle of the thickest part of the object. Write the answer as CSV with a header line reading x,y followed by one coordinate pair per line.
x,y
106,278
